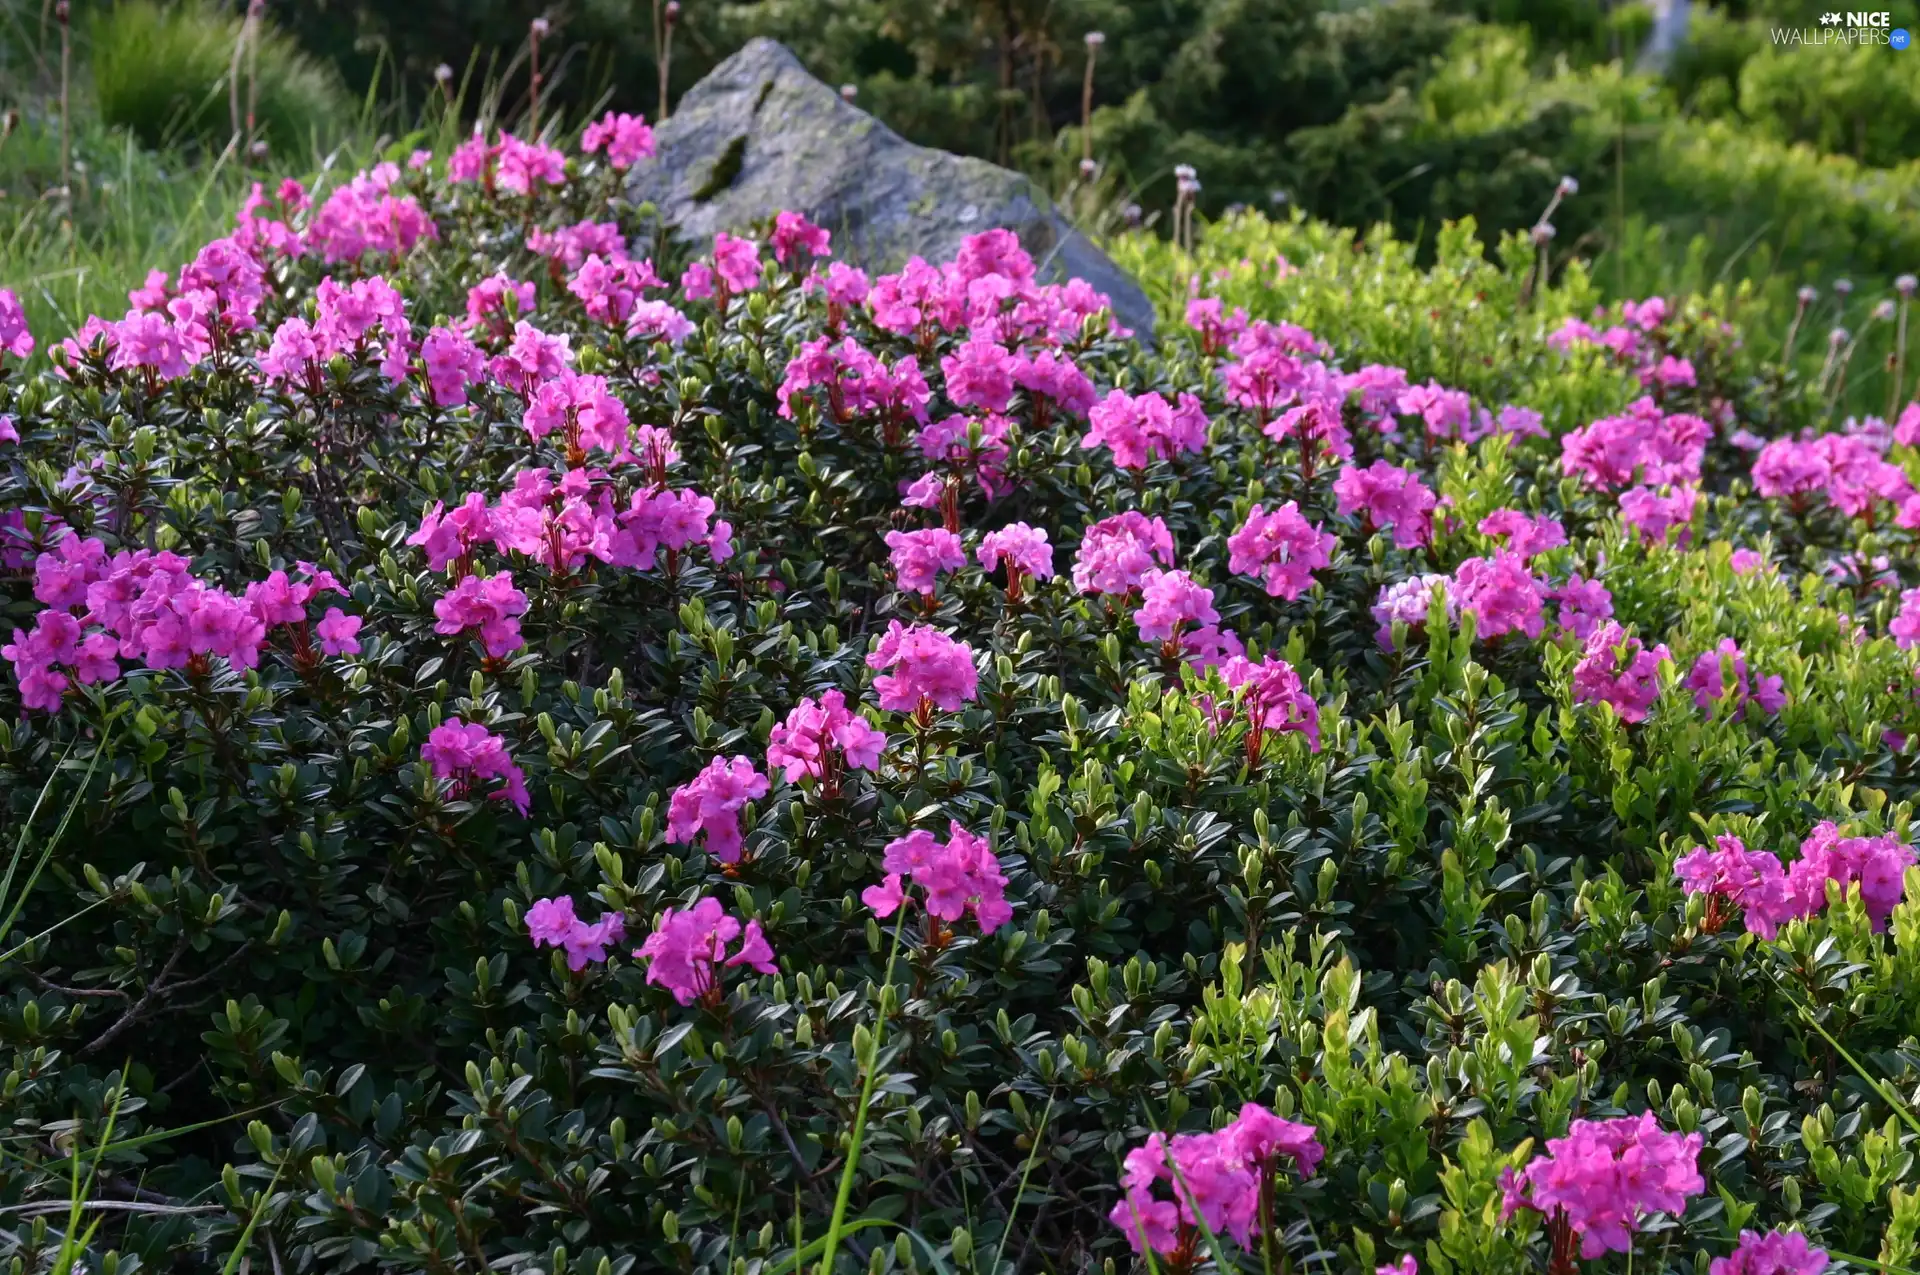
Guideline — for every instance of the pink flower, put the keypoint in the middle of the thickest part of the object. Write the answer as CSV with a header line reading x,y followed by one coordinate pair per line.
x,y
1170,1188
1526,536
521,166
610,290
1052,380
958,877
979,374
820,738
688,949
469,755
926,668
1787,467
1379,388
1906,430
149,341
1410,602
1722,672
711,803
1671,371
1775,1253
1584,605
1258,1136
452,537
1606,1175
1273,699
1116,553
846,286
1746,561
339,632
1216,330
498,301
1751,880
1405,1266
1616,669
582,409
1316,424
1644,446
925,492
627,138
489,604
1143,428
658,321
551,923
362,217
657,518
795,240
1905,627
1171,602
737,262
1282,548
532,357
452,363
1513,421
1024,549
1877,864
1655,516
15,339
919,557
1447,413
1501,594
1389,497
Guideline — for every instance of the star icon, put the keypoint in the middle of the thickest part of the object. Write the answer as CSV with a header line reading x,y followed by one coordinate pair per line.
x,y
1829,19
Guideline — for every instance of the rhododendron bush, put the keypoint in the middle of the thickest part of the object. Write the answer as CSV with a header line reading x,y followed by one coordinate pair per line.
x,y
527,747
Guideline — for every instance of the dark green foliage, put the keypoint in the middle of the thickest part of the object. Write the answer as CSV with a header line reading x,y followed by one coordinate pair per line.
x,y
300,967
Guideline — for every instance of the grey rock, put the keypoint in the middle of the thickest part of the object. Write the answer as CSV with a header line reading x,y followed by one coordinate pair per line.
x,y
759,134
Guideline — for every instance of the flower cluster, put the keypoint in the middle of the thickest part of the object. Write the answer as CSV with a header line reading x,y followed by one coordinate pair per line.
x,y
471,758
711,804
1142,428
925,670
1619,670
1116,554
1720,675
144,606
1646,445
551,923
1025,551
1273,700
821,738
957,876
1282,548
688,949
1390,498
1772,1253
920,556
1605,1176
1175,1189
1501,594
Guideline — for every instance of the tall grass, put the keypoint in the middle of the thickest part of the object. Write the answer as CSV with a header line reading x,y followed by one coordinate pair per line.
x,y
169,75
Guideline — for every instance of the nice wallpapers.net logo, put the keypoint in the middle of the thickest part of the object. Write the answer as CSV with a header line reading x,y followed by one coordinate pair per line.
x,y
1847,28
